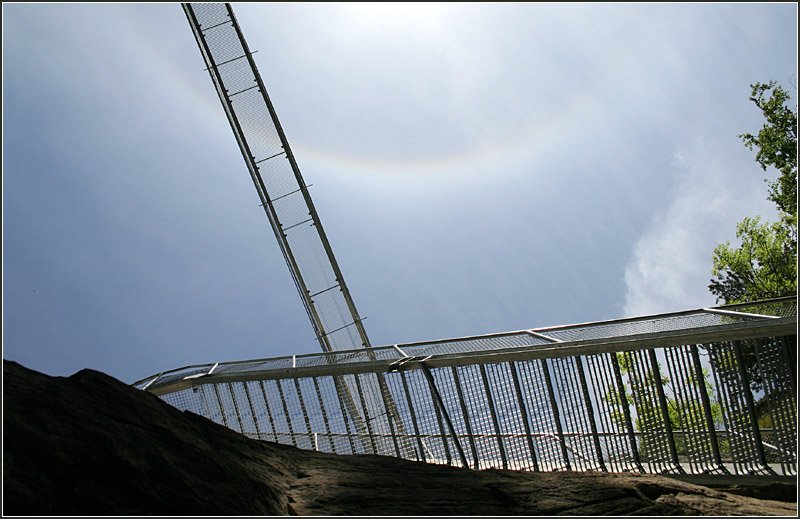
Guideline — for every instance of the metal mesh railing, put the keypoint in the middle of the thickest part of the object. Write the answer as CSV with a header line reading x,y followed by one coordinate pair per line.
x,y
717,398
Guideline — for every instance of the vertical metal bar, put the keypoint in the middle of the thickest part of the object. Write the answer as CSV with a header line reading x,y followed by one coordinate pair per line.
x,y
252,410
304,410
390,419
770,354
748,398
642,398
443,409
602,380
340,392
490,402
776,418
556,414
687,412
536,393
204,399
392,414
791,363
673,451
721,373
236,408
524,414
286,412
269,411
438,410
508,415
626,411
219,404
324,415
367,418
413,415
569,407
590,412
706,404
465,412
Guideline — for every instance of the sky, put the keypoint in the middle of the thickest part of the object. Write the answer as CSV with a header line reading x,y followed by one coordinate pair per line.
x,y
477,168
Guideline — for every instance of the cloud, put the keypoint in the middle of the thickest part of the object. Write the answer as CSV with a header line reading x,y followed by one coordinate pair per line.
x,y
716,184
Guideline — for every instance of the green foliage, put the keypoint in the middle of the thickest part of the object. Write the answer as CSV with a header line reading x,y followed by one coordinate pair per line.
x,y
762,267
765,264
776,143
641,392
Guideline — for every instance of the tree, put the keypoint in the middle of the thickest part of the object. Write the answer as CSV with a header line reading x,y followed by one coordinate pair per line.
x,y
776,144
686,414
765,264
762,267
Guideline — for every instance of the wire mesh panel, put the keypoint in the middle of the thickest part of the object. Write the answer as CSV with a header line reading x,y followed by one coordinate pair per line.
x,y
514,439
575,413
735,398
461,440
691,410
188,400
276,176
648,409
435,443
543,413
777,408
478,409
338,427
623,328
614,425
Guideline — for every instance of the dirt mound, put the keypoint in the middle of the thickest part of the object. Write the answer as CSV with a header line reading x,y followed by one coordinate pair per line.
x,y
91,445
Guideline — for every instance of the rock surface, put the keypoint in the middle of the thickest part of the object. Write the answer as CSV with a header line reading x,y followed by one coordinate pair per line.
x,y
91,445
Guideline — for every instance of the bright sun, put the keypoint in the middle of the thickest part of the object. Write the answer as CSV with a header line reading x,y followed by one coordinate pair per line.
x,y
377,12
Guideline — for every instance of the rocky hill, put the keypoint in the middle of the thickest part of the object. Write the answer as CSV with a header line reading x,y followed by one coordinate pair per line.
x,y
91,445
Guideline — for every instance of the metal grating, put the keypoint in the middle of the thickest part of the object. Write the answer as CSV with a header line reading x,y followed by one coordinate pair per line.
x,y
276,176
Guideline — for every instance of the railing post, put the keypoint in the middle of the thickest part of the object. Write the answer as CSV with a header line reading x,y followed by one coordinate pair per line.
x,y
590,412
324,415
386,396
662,399
303,410
706,402
252,410
343,393
367,418
751,411
490,402
445,414
286,412
219,405
524,414
413,414
269,410
626,410
465,413
556,414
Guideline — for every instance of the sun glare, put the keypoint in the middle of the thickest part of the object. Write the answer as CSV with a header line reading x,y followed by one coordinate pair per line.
x,y
395,12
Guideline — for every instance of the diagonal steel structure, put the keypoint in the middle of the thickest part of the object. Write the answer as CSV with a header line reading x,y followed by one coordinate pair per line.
x,y
280,185
286,200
